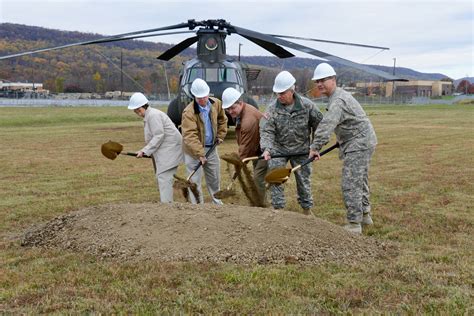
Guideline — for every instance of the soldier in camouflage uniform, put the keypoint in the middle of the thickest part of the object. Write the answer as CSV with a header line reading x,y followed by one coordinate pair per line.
x,y
356,137
291,120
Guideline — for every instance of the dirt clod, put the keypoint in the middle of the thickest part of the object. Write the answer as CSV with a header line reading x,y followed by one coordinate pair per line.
x,y
204,233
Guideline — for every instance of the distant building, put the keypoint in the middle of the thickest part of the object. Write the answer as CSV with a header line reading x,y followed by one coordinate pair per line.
x,y
21,89
411,88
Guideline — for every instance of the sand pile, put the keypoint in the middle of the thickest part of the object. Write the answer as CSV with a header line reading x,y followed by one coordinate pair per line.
x,y
204,233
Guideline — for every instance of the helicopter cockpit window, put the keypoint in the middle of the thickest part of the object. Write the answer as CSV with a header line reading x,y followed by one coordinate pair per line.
x,y
228,75
195,73
214,75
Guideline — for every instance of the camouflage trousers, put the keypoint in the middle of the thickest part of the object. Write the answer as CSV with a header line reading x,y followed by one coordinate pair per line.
x,y
303,182
355,184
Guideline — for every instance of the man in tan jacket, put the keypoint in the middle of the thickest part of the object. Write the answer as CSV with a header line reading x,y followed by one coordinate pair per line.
x,y
163,144
203,123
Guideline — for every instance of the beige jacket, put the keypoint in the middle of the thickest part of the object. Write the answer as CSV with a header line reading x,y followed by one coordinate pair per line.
x,y
163,140
192,127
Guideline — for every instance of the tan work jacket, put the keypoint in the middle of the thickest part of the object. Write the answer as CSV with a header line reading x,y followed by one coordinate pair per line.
x,y
192,127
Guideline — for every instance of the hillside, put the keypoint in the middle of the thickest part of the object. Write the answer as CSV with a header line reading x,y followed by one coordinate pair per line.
x,y
96,68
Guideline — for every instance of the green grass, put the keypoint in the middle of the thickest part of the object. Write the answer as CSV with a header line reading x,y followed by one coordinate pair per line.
x,y
422,194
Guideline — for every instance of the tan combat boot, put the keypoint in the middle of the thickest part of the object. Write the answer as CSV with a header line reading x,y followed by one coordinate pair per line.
x,y
367,219
355,228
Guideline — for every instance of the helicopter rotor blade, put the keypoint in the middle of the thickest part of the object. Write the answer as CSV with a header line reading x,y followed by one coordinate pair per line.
x,y
175,50
262,40
336,59
314,52
142,36
330,42
111,38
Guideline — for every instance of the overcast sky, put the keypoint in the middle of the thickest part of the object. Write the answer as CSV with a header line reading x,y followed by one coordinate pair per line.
x,y
425,35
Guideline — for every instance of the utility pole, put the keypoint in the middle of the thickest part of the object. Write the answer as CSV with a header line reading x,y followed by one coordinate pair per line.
x,y
121,74
239,49
393,82
167,84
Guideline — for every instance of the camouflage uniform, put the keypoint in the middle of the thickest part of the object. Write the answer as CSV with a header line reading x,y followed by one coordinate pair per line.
x,y
289,132
356,137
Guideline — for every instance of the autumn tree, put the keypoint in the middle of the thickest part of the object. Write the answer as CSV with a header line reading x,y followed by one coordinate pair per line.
x,y
464,87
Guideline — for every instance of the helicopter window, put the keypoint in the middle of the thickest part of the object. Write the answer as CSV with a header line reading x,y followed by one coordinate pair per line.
x,y
214,74
227,75
211,75
195,73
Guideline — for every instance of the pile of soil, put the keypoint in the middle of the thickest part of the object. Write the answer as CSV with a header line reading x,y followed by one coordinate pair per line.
x,y
204,233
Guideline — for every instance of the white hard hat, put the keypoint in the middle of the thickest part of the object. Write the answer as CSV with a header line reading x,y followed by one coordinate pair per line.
x,y
323,70
229,97
137,100
199,88
283,81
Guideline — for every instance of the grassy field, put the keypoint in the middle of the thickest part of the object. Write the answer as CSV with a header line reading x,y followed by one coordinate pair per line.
x,y
422,193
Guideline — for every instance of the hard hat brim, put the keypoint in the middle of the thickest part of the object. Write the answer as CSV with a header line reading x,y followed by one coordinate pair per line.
x,y
276,90
231,102
203,94
134,107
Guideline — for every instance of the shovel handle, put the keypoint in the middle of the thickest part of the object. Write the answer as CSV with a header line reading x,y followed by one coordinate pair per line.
x,y
309,160
134,154
274,156
200,162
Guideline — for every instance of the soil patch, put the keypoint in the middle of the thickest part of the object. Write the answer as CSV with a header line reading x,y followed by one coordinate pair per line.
x,y
204,233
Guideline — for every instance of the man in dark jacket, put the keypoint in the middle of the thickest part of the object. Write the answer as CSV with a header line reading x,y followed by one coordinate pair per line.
x,y
247,130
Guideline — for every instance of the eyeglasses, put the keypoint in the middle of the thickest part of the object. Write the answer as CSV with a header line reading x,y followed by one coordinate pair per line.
x,y
323,80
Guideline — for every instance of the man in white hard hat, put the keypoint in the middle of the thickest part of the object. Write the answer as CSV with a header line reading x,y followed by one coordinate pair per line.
x,y
247,130
163,144
291,120
203,123
356,137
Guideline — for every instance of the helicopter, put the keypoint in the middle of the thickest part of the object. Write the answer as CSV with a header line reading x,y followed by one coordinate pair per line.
x,y
213,65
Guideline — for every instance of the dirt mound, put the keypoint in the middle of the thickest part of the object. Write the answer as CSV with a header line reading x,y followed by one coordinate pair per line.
x,y
203,233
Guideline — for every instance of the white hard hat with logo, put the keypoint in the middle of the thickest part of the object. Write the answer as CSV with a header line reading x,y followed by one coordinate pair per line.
x,y
199,88
323,70
137,100
229,97
283,81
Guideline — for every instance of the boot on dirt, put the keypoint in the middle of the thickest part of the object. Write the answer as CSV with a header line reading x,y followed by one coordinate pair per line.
x,y
355,228
367,219
306,211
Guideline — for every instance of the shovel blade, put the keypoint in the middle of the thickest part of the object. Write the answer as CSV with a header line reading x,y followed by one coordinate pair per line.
x,y
223,194
111,149
278,176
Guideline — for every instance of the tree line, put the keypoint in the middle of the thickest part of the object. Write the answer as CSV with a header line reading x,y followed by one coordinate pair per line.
x,y
97,68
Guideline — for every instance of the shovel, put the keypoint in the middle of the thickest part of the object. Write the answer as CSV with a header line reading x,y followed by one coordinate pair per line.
x,y
233,158
112,149
229,191
184,184
281,175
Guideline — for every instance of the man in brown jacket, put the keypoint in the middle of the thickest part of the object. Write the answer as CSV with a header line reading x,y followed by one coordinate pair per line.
x,y
203,123
247,130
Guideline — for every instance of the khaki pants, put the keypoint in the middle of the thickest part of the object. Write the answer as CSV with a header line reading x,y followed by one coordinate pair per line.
x,y
211,173
165,184
260,168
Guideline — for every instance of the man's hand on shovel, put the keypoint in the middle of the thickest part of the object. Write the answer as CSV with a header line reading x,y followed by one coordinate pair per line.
x,y
314,154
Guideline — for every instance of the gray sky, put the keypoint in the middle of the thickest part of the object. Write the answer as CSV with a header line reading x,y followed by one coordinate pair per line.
x,y
425,35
